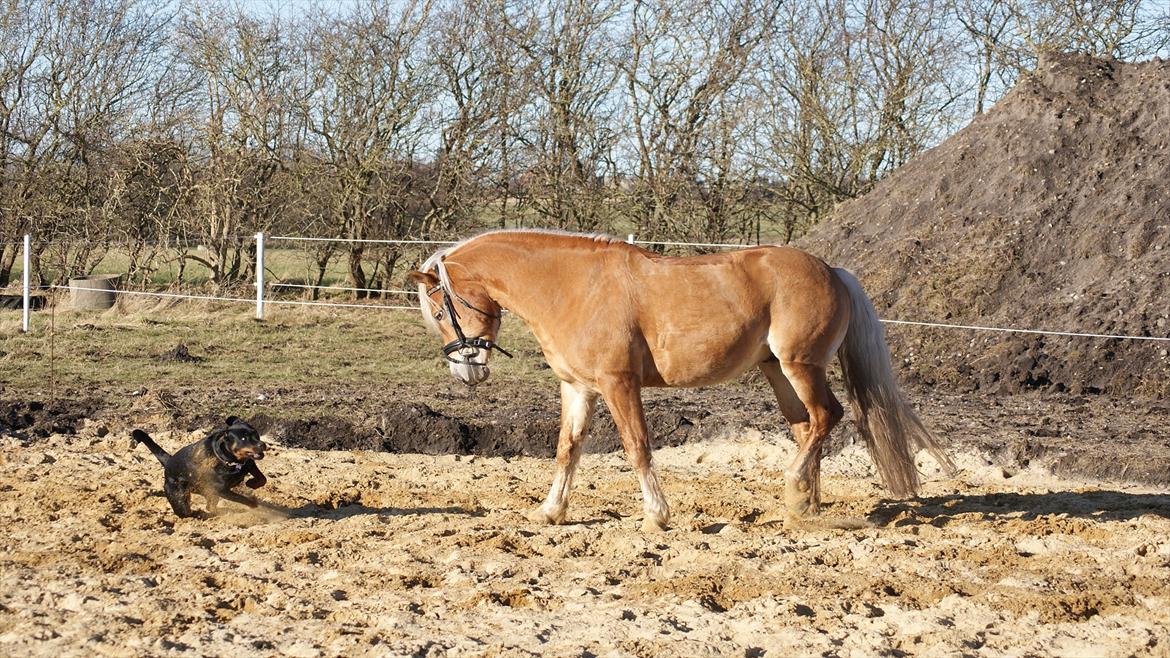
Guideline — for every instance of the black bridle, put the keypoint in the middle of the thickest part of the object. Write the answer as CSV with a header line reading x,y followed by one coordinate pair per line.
x,y
461,341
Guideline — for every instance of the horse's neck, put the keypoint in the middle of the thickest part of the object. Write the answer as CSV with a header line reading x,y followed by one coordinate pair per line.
x,y
526,273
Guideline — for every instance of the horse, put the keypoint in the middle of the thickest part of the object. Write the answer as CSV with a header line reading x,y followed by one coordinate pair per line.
x,y
613,318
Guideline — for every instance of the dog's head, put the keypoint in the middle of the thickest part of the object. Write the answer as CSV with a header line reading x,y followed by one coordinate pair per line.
x,y
242,440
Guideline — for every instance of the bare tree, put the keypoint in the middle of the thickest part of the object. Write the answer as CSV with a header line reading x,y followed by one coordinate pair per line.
x,y
680,67
989,24
243,95
363,109
472,113
853,91
73,75
569,141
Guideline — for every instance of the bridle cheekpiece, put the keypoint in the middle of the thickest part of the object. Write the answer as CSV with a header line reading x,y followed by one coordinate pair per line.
x,y
461,341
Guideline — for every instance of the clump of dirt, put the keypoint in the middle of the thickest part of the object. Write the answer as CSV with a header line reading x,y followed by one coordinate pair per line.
x,y
31,419
1051,211
181,354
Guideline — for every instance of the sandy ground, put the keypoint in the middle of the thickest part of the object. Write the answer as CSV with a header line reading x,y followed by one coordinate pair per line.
x,y
378,554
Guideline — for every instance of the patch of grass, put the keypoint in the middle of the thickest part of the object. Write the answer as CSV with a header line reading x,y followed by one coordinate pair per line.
x,y
117,351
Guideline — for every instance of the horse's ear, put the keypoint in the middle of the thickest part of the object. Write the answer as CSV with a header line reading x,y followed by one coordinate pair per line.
x,y
422,278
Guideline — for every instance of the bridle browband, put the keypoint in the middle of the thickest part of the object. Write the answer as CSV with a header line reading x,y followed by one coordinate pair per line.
x,y
461,341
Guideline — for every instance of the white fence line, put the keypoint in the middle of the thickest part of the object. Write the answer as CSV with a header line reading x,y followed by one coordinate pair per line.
x,y
975,327
261,300
310,287
667,243
415,308
213,298
692,244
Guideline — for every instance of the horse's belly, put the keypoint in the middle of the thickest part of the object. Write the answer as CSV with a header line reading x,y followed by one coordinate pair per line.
x,y
690,363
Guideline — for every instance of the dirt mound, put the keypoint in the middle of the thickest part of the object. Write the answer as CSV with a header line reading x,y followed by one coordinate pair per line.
x,y
524,428
1051,211
30,419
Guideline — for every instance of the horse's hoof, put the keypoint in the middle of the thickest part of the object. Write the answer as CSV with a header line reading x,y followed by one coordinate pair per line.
x,y
651,524
799,506
540,515
799,500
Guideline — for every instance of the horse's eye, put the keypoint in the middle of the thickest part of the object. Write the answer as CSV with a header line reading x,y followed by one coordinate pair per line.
x,y
439,315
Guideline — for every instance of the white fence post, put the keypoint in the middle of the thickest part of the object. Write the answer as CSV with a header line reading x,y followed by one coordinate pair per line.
x,y
27,261
630,238
260,275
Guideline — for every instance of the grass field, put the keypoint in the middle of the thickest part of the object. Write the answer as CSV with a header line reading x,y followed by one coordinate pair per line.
x,y
125,349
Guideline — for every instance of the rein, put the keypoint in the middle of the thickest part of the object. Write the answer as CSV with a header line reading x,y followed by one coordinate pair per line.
x,y
461,341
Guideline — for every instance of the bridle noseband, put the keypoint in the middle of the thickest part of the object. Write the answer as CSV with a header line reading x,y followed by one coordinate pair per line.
x,y
461,342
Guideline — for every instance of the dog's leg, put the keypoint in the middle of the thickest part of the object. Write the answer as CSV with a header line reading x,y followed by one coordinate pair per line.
x,y
237,498
212,502
257,480
179,497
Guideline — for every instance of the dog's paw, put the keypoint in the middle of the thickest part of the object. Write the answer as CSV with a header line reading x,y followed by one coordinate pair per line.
x,y
256,483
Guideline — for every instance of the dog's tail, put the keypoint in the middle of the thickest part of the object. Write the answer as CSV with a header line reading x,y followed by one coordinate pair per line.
x,y
142,437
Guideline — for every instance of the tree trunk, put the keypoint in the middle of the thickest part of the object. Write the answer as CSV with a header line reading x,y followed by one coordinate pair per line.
x,y
357,275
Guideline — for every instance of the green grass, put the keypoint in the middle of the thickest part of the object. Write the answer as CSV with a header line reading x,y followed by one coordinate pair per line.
x,y
116,353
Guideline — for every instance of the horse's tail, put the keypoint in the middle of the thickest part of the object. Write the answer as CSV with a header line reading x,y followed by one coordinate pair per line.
x,y
891,429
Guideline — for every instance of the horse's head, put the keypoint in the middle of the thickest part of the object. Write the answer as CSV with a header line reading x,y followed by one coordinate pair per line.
x,y
464,315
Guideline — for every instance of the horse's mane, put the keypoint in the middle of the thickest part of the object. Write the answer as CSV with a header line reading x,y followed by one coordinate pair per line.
x,y
436,259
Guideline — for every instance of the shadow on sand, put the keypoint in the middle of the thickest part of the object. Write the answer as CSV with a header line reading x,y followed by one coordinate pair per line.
x,y
314,511
1090,505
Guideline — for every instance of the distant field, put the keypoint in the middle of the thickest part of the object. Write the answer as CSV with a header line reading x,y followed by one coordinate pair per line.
x,y
281,264
295,262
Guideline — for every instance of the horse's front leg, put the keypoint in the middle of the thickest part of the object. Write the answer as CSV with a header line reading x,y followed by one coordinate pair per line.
x,y
577,406
623,396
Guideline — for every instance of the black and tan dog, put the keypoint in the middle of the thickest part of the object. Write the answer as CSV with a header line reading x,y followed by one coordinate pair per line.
x,y
211,467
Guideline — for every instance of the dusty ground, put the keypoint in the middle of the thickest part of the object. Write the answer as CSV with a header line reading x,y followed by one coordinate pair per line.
x,y
374,553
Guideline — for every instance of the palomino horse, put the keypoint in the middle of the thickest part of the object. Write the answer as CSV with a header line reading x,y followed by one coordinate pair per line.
x,y
612,318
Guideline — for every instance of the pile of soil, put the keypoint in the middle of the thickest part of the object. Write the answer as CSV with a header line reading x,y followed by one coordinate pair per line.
x,y
1051,211
33,419
512,429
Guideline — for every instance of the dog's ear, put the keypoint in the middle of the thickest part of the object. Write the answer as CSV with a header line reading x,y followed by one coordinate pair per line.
x,y
232,420
422,278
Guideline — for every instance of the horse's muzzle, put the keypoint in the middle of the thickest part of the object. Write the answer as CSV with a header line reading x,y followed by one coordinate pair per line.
x,y
469,365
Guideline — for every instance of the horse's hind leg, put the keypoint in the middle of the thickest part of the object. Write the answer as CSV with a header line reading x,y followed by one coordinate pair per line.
x,y
623,396
577,406
792,409
802,487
